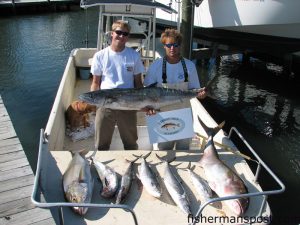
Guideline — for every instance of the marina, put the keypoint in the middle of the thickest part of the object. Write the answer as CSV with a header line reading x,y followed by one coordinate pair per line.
x,y
16,179
222,97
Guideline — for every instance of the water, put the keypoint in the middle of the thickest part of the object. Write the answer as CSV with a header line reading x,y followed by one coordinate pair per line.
x,y
34,50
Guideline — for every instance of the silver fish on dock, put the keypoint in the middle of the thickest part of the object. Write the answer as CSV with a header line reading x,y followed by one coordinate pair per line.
x,y
125,183
78,182
221,179
108,178
200,185
137,98
176,189
149,179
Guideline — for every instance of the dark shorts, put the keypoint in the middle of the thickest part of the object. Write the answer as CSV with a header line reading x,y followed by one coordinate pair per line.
x,y
105,122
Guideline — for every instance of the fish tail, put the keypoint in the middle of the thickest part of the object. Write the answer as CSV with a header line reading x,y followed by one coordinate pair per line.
x,y
209,130
164,160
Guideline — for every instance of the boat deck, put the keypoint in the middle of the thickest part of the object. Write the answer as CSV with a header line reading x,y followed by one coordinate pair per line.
x,y
16,179
148,210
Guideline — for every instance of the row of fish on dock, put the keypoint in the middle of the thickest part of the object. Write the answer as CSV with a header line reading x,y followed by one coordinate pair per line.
x,y
78,182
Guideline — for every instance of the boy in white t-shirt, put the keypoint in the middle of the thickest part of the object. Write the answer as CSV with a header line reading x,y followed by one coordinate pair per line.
x,y
173,71
116,66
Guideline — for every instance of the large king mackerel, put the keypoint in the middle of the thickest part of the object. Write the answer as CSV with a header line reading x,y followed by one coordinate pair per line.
x,y
137,98
220,177
175,189
78,182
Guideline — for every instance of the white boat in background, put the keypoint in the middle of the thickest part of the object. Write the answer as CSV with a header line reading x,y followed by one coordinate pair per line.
x,y
55,146
266,17
264,25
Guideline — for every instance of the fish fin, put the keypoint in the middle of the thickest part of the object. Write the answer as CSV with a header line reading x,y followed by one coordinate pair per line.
x,y
200,163
219,127
138,176
137,156
209,130
133,161
160,158
81,152
177,164
193,167
146,156
151,85
172,159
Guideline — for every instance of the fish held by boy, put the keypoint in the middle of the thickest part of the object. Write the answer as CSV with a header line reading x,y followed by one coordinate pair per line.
x,y
137,98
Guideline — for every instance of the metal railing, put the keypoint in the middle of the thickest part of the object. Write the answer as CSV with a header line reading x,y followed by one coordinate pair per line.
x,y
260,163
60,205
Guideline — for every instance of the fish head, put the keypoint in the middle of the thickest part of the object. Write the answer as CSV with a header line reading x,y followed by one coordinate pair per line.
x,y
93,98
108,192
80,210
77,192
238,206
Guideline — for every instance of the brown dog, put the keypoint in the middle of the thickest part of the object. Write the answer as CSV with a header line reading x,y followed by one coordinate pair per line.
x,y
77,114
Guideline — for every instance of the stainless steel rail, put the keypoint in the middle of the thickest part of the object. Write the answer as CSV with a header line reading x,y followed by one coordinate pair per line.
x,y
60,205
261,163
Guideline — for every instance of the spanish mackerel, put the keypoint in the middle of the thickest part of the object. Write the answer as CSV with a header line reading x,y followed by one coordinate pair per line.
x,y
78,182
175,189
108,178
149,179
200,185
220,177
137,98
125,183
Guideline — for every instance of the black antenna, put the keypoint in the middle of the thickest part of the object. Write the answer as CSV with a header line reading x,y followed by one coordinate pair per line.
x,y
86,41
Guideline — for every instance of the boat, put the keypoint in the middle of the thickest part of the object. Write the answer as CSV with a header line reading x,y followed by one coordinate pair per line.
x,y
55,146
265,26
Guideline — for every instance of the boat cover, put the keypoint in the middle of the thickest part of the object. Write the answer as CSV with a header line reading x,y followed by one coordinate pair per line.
x,y
144,3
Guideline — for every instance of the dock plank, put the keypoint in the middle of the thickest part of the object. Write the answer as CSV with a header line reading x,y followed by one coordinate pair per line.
x,y
16,183
13,207
9,142
15,173
16,180
6,166
27,217
12,156
48,221
16,194
10,148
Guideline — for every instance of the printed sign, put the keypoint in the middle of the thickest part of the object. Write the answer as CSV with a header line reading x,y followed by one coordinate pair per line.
x,y
170,125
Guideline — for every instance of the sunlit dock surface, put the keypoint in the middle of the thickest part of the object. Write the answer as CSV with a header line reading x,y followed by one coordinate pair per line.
x,y
16,180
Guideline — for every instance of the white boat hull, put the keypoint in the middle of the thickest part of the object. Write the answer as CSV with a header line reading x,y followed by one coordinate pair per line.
x,y
264,17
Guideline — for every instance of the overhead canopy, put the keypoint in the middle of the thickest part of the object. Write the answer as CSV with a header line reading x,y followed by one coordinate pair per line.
x,y
116,3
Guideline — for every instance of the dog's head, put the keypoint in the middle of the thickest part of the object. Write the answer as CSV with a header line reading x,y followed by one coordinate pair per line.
x,y
82,107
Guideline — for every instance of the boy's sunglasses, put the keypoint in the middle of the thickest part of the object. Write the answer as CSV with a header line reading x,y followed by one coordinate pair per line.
x,y
175,45
119,32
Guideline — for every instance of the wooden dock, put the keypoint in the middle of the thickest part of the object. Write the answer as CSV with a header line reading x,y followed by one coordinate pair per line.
x,y
16,180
